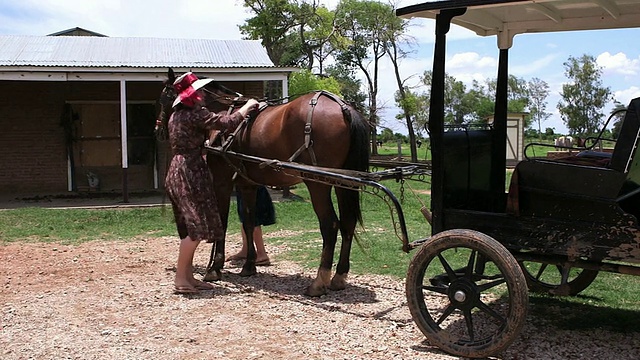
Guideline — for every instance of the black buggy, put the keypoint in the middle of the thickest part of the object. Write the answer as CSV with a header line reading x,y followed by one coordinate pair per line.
x,y
552,228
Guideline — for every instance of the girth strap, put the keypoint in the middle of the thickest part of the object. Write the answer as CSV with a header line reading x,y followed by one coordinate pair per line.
x,y
308,143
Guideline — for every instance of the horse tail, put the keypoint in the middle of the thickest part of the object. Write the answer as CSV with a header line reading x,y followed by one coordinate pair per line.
x,y
357,159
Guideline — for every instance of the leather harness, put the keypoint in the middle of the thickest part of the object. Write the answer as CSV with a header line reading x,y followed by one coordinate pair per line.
x,y
308,141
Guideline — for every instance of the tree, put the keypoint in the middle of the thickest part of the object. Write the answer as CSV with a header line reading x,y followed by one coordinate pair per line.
x,y
386,135
392,46
415,104
538,92
272,23
324,39
618,108
294,33
364,25
458,103
584,97
304,81
485,105
517,94
350,86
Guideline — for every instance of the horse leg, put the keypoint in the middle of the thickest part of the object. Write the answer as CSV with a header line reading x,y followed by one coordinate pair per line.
x,y
222,190
249,194
216,259
348,220
323,207
216,262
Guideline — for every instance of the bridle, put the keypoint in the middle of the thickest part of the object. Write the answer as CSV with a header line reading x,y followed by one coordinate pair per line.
x,y
168,95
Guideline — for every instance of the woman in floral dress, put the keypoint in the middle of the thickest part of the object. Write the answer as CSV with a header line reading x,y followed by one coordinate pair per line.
x,y
189,183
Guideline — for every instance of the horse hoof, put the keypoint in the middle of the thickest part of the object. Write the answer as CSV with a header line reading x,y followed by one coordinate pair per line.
x,y
248,271
338,283
213,275
315,291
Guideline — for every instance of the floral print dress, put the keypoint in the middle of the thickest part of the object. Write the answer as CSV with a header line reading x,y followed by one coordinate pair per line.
x,y
189,184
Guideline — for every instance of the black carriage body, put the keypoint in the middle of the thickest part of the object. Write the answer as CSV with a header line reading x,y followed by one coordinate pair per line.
x,y
586,214
550,208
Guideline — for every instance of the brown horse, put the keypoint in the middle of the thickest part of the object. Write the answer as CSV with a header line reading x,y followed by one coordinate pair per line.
x,y
315,129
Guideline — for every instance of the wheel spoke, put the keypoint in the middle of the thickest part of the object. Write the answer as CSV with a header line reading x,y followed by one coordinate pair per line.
x,y
472,259
543,267
448,311
447,267
564,274
468,319
485,308
438,289
491,284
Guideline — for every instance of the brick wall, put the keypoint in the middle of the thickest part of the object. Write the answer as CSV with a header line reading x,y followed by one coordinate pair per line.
x,y
33,157
248,88
32,151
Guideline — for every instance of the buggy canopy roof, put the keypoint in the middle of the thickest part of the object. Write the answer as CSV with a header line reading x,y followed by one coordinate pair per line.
x,y
509,18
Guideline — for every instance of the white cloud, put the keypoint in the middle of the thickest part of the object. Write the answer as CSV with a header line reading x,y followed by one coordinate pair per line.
x,y
618,63
626,95
469,66
471,60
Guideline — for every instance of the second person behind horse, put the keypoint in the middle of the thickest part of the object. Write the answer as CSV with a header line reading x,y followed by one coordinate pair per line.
x,y
265,215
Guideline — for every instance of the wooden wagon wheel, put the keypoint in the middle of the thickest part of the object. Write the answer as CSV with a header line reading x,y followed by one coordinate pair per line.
x,y
555,279
467,293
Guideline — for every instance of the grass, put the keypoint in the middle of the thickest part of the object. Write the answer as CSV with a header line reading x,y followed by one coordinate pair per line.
x,y
612,301
392,149
74,226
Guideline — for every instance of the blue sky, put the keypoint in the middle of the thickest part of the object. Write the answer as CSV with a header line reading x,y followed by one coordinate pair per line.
x,y
469,56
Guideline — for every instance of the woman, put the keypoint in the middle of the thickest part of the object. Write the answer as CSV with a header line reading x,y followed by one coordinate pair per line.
x,y
189,183
265,215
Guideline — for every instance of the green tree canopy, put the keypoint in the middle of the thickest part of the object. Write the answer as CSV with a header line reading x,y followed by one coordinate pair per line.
x,y
305,81
583,97
538,92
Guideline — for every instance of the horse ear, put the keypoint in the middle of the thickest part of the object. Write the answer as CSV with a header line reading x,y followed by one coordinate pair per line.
x,y
171,75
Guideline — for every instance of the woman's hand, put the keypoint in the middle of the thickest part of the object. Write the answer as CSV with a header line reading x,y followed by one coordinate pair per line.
x,y
250,105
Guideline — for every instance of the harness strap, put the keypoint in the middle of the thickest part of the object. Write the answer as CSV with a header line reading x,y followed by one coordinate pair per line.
x,y
232,106
228,141
308,143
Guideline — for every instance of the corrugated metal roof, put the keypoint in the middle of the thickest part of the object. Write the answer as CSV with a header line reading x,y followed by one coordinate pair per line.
x,y
88,51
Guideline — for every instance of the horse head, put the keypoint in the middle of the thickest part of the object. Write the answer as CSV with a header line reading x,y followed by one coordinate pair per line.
x,y
216,93
167,96
222,95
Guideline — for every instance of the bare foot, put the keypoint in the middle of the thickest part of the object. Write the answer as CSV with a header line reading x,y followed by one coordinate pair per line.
x,y
180,287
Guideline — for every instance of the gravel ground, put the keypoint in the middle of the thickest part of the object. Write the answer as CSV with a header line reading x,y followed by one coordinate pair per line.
x,y
114,300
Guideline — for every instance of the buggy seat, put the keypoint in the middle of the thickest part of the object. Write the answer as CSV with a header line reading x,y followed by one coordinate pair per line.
x,y
579,189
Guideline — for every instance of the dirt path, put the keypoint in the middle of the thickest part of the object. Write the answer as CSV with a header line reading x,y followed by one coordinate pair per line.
x,y
113,300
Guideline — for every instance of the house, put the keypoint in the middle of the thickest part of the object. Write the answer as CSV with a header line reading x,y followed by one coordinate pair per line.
x,y
77,112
